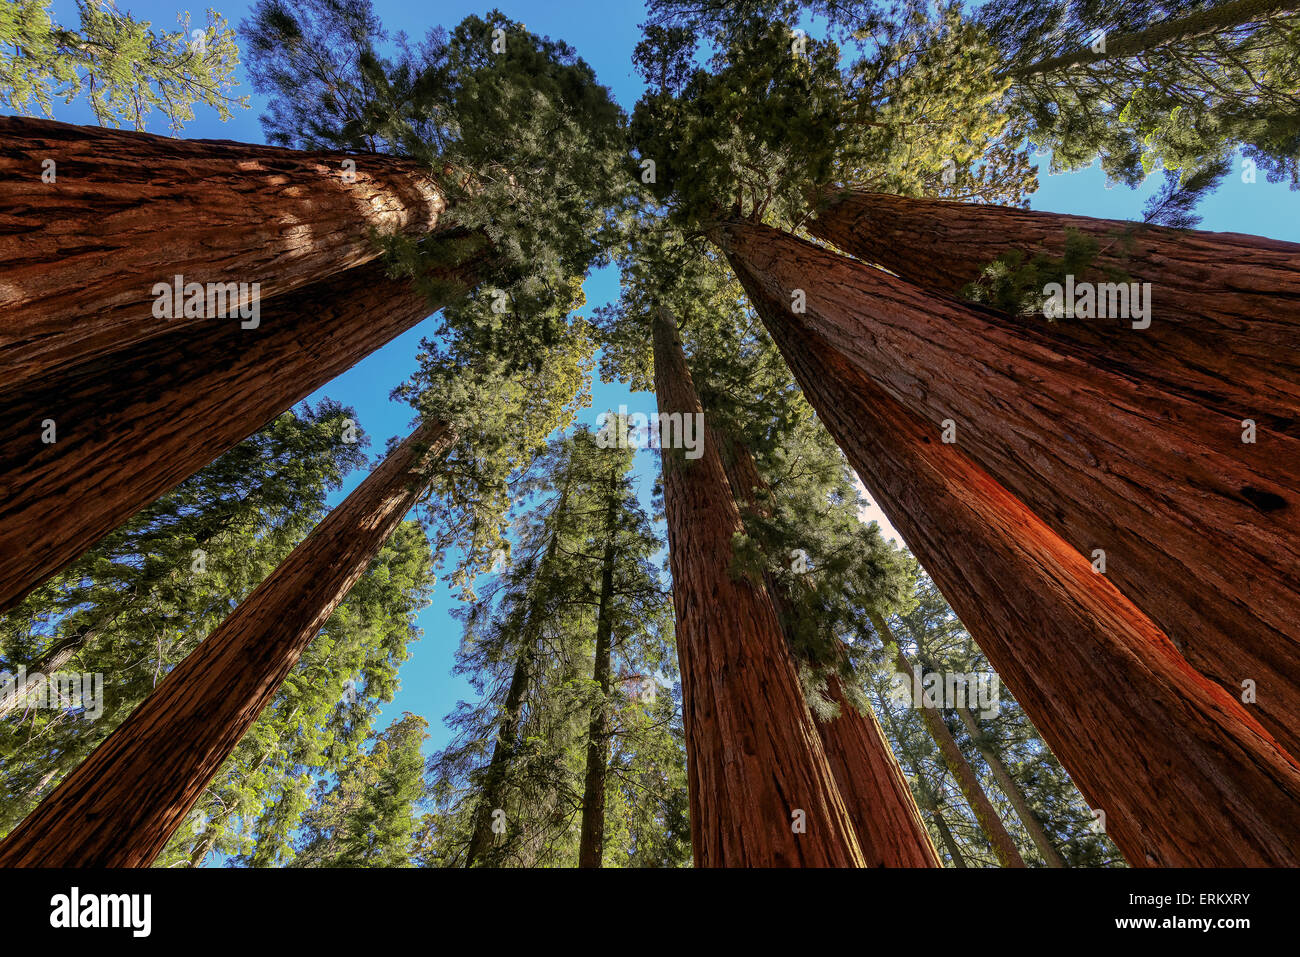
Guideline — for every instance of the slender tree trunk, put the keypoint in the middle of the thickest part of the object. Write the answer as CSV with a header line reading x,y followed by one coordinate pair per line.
x,y
1015,794
591,849
1225,307
949,841
884,813
507,740
1184,773
1121,470
49,661
762,793
494,780
1200,23
79,256
132,426
122,804
1004,846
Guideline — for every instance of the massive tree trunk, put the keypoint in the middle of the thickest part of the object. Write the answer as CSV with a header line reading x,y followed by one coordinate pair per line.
x,y
762,793
1199,530
880,803
591,849
1003,844
1015,794
1199,23
1185,774
79,256
1225,307
132,426
122,804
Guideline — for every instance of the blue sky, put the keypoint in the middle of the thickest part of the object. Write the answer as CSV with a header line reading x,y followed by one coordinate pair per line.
x,y
604,33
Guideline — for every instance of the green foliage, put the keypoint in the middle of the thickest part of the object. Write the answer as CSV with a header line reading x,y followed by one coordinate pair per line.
x,y
122,66
527,651
528,146
144,597
368,817
1184,103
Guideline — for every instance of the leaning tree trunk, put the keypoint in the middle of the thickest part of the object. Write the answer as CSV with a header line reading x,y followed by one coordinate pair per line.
x,y
880,803
1199,530
122,804
1225,307
949,842
1015,794
132,426
762,793
1184,773
1000,839
44,665
591,848
80,255
1200,23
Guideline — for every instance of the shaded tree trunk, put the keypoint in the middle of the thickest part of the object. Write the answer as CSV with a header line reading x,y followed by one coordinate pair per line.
x,y
591,849
1185,774
494,780
1225,307
884,813
762,793
79,256
45,664
1015,794
132,426
122,804
1108,462
1199,23
949,841
1004,846
506,742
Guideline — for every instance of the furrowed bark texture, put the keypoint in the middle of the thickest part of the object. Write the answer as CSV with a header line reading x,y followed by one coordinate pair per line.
x,y
1225,307
1199,530
879,801
132,426
79,256
754,758
1185,774
122,804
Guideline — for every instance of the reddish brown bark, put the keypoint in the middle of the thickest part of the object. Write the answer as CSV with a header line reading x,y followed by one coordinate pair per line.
x,y
122,804
79,256
1004,846
756,768
132,426
1199,530
1186,776
1225,307
879,801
